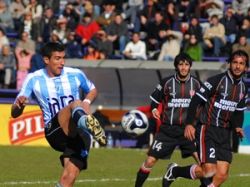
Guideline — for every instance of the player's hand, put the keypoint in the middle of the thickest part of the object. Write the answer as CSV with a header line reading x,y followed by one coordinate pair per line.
x,y
156,113
239,132
189,132
21,101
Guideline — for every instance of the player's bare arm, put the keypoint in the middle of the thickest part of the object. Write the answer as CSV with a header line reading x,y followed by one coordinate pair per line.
x,y
18,106
156,113
240,132
88,100
154,104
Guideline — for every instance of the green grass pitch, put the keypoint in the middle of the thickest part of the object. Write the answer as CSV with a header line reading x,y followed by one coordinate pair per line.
x,y
39,166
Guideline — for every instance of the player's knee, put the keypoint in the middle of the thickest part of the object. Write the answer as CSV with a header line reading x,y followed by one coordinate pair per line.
x,y
209,173
68,178
209,170
76,103
198,171
150,162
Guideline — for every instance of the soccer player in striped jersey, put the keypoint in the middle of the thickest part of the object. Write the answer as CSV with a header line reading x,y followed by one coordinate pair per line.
x,y
175,93
224,99
68,122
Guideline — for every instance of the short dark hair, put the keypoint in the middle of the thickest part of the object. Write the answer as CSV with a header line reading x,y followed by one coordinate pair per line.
x,y
182,57
214,16
239,53
51,47
86,14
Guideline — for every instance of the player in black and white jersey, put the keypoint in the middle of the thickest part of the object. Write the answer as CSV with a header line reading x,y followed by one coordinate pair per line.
x,y
224,99
175,93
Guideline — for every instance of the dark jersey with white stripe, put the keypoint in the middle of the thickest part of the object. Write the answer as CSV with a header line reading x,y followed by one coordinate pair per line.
x,y
222,95
175,95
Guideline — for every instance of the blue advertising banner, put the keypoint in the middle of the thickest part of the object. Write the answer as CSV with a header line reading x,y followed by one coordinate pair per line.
x,y
245,143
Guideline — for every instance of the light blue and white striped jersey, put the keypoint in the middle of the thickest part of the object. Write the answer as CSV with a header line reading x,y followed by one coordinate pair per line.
x,y
54,93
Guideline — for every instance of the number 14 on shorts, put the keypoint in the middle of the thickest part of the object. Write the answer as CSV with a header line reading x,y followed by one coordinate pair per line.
x,y
157,145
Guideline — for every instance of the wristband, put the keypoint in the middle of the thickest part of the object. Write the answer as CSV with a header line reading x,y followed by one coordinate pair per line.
x,y
87,101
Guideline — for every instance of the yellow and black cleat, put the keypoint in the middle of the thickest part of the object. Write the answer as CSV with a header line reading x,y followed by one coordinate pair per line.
x,y
96,130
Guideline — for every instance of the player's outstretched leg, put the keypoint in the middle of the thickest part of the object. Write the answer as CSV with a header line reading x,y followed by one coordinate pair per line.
x,y
168,178
95,129
142,175
89,123
174,171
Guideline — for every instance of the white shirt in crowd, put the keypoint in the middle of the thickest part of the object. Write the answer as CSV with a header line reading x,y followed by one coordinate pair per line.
x,y
137,50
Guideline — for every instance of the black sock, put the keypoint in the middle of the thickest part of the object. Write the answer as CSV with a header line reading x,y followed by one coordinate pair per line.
x,y
141,178
85,137
206,181
78,116
182,172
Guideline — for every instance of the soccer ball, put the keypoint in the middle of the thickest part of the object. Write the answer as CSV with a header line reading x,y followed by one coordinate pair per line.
x,y
135,123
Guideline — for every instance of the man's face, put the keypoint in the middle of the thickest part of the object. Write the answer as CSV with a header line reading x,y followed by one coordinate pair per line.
x,y
238,66
135,37
48,13
194,21
25,36
87,19
5,50
243,40
55,63
183,69
215,21
118,19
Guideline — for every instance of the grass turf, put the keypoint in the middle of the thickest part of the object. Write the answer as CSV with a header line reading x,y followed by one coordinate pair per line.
x,y
40,166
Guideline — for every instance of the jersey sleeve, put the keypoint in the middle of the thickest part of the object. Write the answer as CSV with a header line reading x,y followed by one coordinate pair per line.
x,y
200,98
196,101
86,85
27,87
237,119
208,88
238,115
242,105
157,95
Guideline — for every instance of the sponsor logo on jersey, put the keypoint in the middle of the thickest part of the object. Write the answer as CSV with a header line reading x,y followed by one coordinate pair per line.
x,y
26,128
226,105
159,87
177,103
208,85
202,90
56,104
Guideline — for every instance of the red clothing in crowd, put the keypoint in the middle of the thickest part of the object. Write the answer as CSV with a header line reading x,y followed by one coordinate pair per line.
x,y
87,31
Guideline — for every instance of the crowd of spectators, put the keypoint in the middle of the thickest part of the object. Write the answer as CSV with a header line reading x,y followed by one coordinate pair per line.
x,y
124,29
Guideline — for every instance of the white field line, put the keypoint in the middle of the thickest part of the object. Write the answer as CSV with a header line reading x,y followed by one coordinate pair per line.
x,y
11,183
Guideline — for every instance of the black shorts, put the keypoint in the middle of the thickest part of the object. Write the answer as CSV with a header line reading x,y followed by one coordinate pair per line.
x,y
167,140
75,147
214,144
